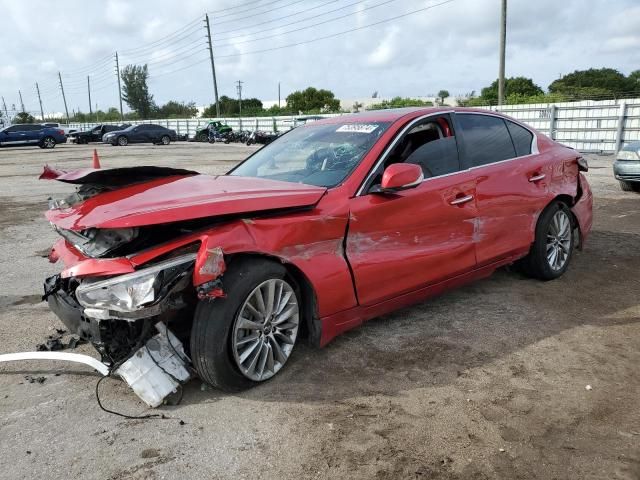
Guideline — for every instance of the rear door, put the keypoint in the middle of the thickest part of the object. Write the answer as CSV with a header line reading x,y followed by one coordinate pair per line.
x,y
402,242
33,134
511,183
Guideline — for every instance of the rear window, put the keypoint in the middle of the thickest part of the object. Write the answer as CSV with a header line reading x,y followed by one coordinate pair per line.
x,y
522,138
486,139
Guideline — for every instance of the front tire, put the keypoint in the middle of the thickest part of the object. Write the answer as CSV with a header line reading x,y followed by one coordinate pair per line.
x,y
122,141
48,142
248,336
165,140
552,248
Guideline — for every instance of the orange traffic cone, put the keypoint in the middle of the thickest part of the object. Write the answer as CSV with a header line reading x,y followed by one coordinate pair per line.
x,y
96,159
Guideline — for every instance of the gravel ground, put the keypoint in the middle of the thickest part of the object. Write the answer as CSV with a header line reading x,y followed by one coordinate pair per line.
x,y
488,381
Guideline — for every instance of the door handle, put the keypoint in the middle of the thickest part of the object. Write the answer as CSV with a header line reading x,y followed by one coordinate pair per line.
x,y
537,178
461,200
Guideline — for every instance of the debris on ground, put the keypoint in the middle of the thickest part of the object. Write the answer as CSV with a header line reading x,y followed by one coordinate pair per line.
x,y
588,387
32,379
55,343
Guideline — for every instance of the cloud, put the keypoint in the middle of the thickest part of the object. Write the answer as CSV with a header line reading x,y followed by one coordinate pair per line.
x,y
8,72
384,52
453,46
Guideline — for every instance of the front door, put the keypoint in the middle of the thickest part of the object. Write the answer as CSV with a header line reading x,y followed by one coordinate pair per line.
x,y
398,243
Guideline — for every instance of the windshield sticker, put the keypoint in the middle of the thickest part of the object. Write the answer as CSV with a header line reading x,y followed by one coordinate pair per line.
x,y
357,128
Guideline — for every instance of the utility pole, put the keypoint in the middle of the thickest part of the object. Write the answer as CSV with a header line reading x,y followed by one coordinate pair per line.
x,y
278,94
239,88
40,101
213,65
6,113
66,110
21,102
503,43
119,87
89,92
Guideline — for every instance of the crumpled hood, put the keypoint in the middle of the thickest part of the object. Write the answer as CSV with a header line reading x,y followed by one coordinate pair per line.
x,y
179,198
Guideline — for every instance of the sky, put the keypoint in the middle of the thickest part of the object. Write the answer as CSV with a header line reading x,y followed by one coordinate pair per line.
x,y
450,45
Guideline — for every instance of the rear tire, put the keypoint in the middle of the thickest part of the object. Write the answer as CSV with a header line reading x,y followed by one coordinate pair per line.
x,y
552,248
629,186
218,340
48,142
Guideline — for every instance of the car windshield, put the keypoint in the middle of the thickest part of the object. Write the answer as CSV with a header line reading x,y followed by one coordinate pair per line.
x,y
321,155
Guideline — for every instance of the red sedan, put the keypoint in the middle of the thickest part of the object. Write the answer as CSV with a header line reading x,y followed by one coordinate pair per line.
x,y
334,223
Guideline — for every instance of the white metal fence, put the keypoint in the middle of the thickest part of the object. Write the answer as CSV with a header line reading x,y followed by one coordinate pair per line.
x,y
588,126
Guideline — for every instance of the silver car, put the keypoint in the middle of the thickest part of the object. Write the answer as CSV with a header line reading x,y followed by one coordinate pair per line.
x,y
626,167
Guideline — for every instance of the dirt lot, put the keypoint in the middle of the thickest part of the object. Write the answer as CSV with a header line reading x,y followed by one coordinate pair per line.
x,y
484,382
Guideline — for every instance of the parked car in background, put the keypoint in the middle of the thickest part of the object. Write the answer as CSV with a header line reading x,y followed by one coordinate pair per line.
x,y
31,134
96,133
65,128
333,223
144,133
626,167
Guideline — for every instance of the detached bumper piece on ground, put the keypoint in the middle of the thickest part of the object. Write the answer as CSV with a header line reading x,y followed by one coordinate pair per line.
x,y
154,371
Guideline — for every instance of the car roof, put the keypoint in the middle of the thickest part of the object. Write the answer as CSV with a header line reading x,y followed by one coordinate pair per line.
x,y
394,114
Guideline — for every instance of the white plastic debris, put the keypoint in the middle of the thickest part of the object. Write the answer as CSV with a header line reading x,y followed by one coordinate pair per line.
x,y
588,387
68,357
157,369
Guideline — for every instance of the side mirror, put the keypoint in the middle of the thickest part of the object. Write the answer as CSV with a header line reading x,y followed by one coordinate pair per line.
x,y
400,176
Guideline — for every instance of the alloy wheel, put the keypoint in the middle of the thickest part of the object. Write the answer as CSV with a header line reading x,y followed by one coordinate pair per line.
x,y
265,329
559,240
165,140
49,142
122,141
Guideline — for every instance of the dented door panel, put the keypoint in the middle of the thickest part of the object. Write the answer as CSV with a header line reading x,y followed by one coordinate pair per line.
x,y
399,243
511,195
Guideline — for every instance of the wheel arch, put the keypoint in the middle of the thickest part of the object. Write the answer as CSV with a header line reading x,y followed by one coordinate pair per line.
x,y
568,201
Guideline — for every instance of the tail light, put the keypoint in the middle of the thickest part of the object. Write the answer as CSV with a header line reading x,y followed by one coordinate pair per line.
x,y
61,132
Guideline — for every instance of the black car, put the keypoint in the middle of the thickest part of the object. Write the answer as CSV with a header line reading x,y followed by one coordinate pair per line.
x,y
144,133
95,134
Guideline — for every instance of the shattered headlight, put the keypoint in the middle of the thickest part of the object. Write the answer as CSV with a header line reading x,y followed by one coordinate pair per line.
x,y
133,291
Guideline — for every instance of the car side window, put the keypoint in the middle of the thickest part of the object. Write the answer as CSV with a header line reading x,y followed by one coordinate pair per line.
x,y
430,143
522,138
486,138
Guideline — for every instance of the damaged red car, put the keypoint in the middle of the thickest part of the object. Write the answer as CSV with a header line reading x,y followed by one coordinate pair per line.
x,y
332,224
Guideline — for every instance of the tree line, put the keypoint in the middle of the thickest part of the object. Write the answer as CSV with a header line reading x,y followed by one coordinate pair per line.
x,y
593,83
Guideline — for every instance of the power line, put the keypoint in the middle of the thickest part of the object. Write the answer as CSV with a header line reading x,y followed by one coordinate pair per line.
x,y
335,19
333,35
186,67
232,8
259,13
166,37
173,54
247,10
286,16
